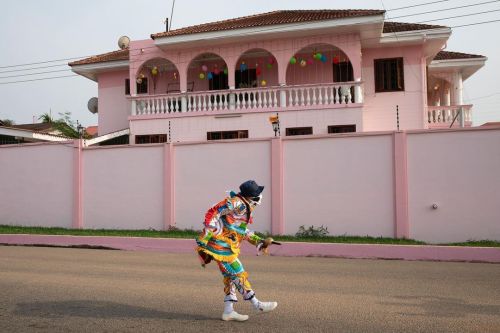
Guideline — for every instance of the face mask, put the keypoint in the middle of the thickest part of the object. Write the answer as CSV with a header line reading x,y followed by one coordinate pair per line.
x,y
255,201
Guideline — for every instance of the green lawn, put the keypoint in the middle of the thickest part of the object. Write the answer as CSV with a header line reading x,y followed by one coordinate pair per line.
x,y
175,233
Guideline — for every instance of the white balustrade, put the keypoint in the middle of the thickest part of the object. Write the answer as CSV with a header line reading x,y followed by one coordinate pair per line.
x,y
439,116
264,98
157,104
322,94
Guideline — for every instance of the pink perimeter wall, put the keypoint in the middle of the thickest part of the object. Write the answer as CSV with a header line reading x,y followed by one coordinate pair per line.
x,y
343,183
379,110
122,188
204,172
378,184
459,172
36,184
114,108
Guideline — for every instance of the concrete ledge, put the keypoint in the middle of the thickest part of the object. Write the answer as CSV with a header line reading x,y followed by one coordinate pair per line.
x,y
288,249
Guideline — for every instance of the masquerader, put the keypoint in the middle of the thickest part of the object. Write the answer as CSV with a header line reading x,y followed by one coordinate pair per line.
x,y
225,227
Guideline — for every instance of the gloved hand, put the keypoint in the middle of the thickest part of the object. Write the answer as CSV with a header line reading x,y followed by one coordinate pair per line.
x,y
263,245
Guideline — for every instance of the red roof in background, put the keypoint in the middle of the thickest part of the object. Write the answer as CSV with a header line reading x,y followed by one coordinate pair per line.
x,y
92,130
447,55
491,124
271,18
110,56
400,27
36,127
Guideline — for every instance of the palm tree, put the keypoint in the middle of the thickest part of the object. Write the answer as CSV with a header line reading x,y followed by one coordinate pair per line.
x,y
7,122
46,118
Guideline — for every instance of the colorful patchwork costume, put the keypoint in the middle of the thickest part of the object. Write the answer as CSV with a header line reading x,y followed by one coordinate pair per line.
x,y
225,227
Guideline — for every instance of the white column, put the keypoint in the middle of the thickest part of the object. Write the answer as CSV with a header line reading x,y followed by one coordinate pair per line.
x,y
358,91
183,102
446,94
134,107
458,89
282,96
232,98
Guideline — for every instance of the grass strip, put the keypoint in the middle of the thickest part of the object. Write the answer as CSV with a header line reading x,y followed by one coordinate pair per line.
x,y
177,233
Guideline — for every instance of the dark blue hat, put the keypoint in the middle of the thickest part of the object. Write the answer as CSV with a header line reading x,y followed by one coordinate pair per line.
x,y
251,189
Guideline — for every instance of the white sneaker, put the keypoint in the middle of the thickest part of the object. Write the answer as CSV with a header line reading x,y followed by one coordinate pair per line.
x,y
234,316
267,306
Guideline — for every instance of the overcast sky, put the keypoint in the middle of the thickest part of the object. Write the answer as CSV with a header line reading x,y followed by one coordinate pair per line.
x,y
34,31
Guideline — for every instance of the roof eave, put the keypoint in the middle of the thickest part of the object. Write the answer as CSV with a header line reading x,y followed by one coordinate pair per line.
x,y
91,71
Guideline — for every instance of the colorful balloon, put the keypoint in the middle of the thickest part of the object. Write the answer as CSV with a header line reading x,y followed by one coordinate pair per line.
x,y
258,72
269,66
243,66
210,76
293,60
323,58
263,83
303,63
336,60
225,71
204,68
310,61
202,76
216,71
154,71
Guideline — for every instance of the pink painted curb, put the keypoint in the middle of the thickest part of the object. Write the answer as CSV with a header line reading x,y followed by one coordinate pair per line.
x,y
288,249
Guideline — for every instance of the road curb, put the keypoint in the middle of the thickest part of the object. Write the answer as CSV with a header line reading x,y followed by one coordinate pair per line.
x,y
287,249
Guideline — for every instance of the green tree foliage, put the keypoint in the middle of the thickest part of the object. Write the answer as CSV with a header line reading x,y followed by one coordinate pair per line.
x,y
64,124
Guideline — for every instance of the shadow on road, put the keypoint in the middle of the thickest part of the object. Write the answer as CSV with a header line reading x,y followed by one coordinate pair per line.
x,y
97,309
442,306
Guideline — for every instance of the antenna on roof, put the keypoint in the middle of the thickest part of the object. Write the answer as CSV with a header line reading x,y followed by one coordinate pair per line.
x,y
123,42
92,105
166,24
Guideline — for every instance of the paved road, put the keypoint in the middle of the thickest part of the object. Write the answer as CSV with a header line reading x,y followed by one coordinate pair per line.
x,y
81,290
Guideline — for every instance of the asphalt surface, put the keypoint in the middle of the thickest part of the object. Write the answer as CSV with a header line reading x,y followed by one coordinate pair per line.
x,y
82,290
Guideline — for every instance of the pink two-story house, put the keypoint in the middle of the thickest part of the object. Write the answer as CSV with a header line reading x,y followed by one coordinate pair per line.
x,y
320,71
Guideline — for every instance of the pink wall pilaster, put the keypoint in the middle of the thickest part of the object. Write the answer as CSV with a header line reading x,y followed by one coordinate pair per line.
x,y
77,185
169,185
402,225
277,188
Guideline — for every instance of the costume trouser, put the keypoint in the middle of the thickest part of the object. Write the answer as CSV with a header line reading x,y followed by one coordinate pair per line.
x,y
235,278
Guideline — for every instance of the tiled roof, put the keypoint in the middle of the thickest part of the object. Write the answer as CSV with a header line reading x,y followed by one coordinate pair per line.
x,y
400,27
92,131
110,56
491,124
447,55
37,127
271,18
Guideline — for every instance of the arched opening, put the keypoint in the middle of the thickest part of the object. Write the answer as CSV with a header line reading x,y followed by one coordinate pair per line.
x,y
157,76
256,68
206,72
319,63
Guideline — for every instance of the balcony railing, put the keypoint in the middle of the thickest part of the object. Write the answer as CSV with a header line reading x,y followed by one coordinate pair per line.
x,y
256,99
443,116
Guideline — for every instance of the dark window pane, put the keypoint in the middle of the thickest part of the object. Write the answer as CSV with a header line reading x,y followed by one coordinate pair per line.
x,y
299,131
342,72
389,75
127,86
341,128
154,138
246,78
142,88
227,135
